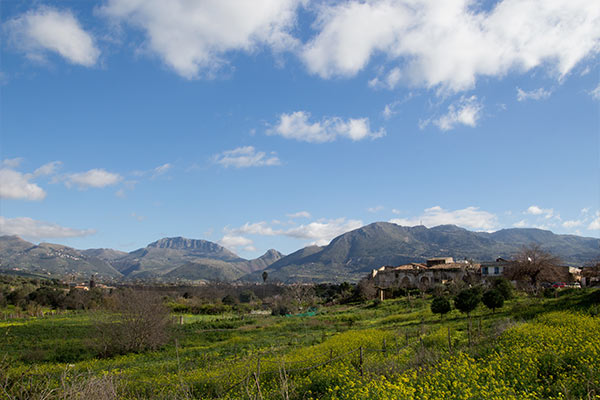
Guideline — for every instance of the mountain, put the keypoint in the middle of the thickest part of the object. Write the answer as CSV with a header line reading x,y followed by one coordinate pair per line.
x,y
104,254
348,257
353,254
50,259
164,255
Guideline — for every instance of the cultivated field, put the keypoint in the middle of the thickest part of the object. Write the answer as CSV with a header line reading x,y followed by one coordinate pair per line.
x,y
531,348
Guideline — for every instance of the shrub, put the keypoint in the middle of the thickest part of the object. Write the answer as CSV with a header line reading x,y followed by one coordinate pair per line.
x,y
467,300
140,322
493,299
440,305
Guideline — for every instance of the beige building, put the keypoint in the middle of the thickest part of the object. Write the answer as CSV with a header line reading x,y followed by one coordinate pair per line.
x,y
438,270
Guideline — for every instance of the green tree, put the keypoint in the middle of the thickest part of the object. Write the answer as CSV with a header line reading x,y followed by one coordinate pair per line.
x,y
504,286
440,305
265,275
467,300
493,299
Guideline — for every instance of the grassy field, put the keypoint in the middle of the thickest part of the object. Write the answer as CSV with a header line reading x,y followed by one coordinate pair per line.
x,y
531,348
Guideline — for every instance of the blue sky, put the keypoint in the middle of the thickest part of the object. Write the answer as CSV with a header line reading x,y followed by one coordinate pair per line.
x,y
281,123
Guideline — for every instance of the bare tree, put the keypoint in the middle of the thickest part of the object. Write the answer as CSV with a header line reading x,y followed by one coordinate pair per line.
x,y
531,263
139,322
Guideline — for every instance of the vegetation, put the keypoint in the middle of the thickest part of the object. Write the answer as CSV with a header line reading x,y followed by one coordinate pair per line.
x,y
440,305
329,346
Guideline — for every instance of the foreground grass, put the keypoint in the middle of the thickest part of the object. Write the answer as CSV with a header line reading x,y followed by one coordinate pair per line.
x,y
532,348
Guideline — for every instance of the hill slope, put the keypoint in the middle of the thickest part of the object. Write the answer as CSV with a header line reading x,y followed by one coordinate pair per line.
x,y
51,259
353,254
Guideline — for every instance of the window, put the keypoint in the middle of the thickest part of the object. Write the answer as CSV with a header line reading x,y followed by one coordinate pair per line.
x,y
484,270
496,270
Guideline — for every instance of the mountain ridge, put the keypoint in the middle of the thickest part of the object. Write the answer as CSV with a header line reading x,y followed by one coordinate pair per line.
x,y
348,256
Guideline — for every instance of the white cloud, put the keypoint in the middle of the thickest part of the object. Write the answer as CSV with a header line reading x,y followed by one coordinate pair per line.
x,y
536,94
595,224
30,228
595,93
11,162
466,111
48,29
48,169
572,223
194,36
450,44
256,228
244,157
233,242
297,126
521,224
545,212
97,178
15,185
299,214
375,209
161,170
470,217
321,232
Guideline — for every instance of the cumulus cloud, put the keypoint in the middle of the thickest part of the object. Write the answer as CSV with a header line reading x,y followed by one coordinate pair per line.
x,y
545,212
11,162
466,111
595,224
47,29
322,232
193,37
244,157
16,185
33,229
470,217
536,94
520,224
375,209
450,44
256,228
297,126
95,178
318,232
572,223
233,241
299,214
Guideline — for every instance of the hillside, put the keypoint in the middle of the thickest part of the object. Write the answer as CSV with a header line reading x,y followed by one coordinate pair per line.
x,y
51,259
353,254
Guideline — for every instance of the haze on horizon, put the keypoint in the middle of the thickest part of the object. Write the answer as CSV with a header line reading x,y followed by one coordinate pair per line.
x,y
277,124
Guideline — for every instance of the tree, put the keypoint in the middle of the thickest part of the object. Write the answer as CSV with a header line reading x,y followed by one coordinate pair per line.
x,y
440,305
503,286
140,322
493,299
529,264
265,275
467,300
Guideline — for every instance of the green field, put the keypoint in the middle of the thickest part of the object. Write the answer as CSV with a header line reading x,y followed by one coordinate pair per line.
x,y
531,348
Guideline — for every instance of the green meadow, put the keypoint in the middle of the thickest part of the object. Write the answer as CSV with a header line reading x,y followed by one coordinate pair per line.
x,y
532,347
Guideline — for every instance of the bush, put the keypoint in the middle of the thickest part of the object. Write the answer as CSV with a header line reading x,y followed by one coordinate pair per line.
x,y
504,286
440,305
140,322
467,300
493,299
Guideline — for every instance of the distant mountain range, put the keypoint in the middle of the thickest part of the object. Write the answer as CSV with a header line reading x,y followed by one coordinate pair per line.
x,y
347,258
352,255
